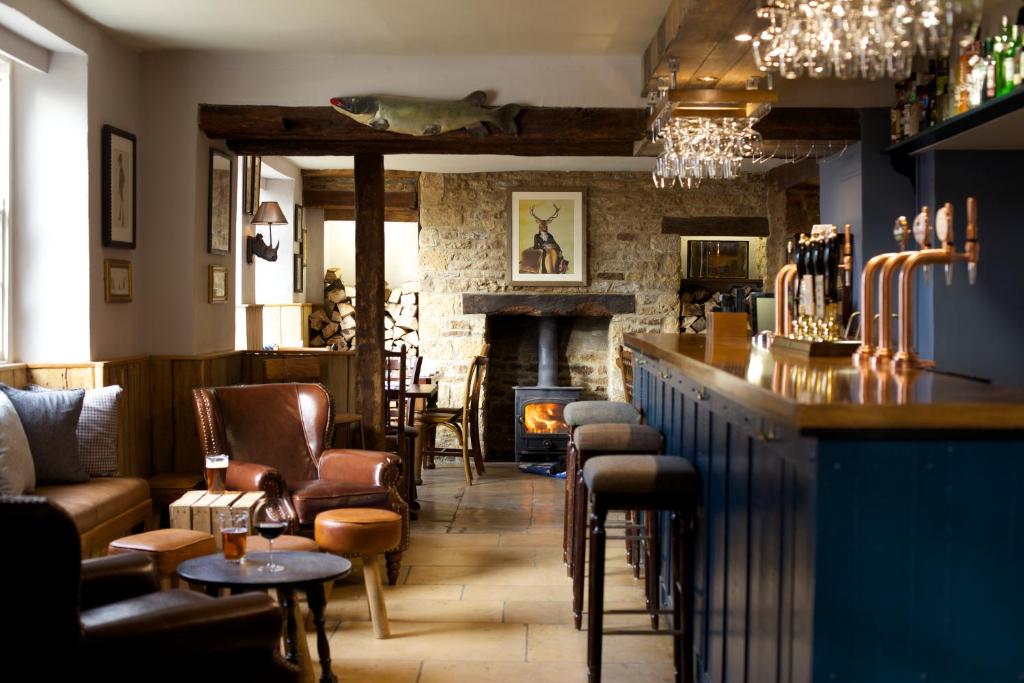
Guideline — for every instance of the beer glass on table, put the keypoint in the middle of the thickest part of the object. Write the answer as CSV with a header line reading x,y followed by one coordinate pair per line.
x,y
216,472
234,532
270,519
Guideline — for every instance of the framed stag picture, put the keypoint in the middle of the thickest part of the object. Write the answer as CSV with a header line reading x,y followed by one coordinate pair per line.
x,y
218,285
118,153
547,237
218,237
117,281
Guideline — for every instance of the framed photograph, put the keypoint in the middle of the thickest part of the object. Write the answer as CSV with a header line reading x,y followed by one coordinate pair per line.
x,y
547,237
118,188
717,259
117,281
298,274
299,227
218,237
218,285
251,167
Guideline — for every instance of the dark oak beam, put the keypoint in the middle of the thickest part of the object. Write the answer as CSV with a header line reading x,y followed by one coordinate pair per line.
x,y
369,209
345,199
728,226
543,131
810,123
391,215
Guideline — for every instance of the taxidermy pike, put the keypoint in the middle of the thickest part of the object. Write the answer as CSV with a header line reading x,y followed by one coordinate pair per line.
x,y
419,116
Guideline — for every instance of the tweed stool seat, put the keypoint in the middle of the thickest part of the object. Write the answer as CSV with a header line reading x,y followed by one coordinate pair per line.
x,y
617,438
660,484
287,542
368,532
579,413
167,547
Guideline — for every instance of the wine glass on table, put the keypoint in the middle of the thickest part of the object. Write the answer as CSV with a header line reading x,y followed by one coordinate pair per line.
x,y
270,519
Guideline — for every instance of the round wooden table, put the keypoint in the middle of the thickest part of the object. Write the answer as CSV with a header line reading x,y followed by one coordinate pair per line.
x,y
305,571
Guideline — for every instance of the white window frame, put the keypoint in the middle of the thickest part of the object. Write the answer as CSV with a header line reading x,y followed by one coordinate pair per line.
x,y
6,73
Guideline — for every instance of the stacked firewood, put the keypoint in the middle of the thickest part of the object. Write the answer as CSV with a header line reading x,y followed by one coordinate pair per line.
x,y
334,323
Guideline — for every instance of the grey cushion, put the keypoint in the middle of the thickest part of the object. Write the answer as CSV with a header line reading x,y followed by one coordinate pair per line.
x,y
50,419
640,474
97,430
617,438
580,413
17,473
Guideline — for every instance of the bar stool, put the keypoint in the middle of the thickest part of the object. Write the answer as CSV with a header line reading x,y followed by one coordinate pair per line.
x,y
167,547
659,483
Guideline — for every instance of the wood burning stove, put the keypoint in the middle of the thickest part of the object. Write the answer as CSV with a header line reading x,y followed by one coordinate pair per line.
x,y
541,431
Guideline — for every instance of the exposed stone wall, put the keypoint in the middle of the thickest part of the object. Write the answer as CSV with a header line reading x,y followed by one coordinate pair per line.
x,y
463,248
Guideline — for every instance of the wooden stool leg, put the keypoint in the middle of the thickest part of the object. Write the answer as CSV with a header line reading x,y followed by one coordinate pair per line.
x,y
595,620
375,596
578,551
652,560
464,443
687,568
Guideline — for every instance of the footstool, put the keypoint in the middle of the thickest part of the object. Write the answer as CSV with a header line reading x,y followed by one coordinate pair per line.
x,y
258,544
368,533
167,547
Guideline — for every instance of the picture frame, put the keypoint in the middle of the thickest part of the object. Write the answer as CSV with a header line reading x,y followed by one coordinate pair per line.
x,y
298,274
299,226
560,258
119,193
251,169
717,259
220,204
217,286
117,281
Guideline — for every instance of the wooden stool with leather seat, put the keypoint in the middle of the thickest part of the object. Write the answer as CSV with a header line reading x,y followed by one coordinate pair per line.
x,y
168,548
368,533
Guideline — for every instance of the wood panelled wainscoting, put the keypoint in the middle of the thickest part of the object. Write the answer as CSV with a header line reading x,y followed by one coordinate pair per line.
x,y
157,432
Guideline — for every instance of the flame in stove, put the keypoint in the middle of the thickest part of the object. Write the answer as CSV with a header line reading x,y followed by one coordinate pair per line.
x,y
544,418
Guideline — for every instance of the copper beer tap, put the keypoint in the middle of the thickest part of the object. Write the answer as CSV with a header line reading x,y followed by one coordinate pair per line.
x,y
906,358
866,350
922,234
783,284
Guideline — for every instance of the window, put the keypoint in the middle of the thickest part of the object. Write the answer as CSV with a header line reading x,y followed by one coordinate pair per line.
x,y
5,208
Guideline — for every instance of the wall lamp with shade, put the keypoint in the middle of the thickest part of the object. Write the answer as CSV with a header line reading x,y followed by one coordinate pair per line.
x,y
268,214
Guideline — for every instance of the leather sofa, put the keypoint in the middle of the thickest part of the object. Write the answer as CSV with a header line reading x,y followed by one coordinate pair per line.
x,y
277,435
102,509
107,619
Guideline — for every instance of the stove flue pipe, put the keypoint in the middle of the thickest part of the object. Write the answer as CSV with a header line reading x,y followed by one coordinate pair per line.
x,y
547,351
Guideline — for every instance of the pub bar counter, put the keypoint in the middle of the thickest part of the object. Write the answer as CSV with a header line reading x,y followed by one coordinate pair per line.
x,y
855,525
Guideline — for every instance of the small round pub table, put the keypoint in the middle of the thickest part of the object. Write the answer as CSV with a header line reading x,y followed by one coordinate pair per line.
x,y
304,571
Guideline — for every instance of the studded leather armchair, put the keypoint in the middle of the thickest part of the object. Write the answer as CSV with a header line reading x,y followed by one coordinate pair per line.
x,y
107,619
277,437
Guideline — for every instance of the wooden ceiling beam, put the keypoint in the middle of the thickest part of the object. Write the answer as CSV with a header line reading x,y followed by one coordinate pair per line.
x,y
317,131
346,199
728,226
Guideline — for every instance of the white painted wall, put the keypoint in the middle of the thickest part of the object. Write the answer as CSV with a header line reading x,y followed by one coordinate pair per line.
x,y
401,251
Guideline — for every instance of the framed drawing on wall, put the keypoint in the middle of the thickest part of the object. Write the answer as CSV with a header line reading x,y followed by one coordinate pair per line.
x,y
298,227
218,285
118,153
547,237
717,259
220,213
117,281
298,274
251,168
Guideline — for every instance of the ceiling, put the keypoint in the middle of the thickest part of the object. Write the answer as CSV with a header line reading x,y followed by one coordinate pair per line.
x,y
385,27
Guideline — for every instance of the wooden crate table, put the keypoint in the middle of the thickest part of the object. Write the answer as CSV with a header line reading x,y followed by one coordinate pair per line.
x,y
201,510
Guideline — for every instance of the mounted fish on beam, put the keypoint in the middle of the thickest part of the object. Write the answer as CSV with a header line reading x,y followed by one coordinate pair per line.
x,y
421,116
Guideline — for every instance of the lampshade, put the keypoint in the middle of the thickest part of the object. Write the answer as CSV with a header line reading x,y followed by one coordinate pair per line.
x,y
269,213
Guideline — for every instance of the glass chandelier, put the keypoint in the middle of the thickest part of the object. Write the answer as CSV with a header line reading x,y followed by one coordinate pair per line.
x,y
696,148
851,38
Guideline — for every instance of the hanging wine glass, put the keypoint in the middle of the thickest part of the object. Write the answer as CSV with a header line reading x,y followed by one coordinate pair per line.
x,y
271,518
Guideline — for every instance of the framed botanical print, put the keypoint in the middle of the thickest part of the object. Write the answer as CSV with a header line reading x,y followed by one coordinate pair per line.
x,y
217,287
251,168
117,281
299,226
298,274
547,237
220,213
118,154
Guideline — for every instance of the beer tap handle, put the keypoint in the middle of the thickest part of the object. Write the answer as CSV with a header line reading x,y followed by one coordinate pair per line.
x,y
944,233
972,246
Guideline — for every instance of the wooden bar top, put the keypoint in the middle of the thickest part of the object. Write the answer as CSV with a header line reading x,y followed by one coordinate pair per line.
x,y
823,394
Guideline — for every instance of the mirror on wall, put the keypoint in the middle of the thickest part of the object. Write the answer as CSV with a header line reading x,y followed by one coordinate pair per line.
x,y
218,239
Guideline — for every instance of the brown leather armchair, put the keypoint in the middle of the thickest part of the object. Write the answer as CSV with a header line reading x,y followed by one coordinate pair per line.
x,y
277,436
107,619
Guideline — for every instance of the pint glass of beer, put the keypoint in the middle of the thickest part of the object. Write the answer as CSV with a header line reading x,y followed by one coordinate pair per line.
x,y
216,469
234,531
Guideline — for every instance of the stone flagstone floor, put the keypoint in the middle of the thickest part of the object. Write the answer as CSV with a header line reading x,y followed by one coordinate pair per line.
x,y
483,596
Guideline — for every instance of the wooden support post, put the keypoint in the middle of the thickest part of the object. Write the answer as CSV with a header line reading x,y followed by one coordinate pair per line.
x,y
369,201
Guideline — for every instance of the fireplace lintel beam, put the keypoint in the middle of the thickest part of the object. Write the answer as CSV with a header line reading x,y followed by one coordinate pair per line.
x,y
592,305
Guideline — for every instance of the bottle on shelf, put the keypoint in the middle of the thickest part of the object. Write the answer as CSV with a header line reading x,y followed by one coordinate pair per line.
x,y
990,70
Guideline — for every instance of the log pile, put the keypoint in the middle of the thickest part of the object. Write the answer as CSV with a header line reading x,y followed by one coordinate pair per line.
x,y
334,323
696,303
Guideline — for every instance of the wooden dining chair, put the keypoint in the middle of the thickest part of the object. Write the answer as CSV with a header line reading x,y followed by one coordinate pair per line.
x,y
463,422
399,434
624,360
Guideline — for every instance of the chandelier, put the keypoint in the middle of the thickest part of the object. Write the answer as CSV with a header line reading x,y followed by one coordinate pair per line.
x,y
851,38
697,148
